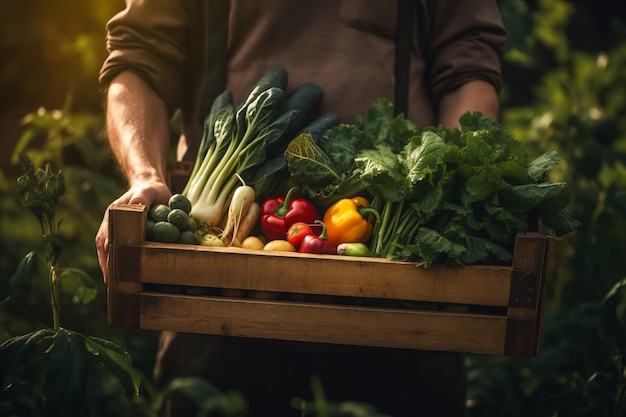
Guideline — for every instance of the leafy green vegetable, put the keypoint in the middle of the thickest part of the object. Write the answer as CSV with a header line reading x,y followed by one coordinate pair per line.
x,y
240,141
235,143
445,194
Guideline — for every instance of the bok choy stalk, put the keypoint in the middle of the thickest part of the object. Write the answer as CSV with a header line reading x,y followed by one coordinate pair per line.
x,y
234,140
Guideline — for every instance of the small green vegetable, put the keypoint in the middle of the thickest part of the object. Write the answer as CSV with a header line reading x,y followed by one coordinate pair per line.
x,y
179,219
353,249
159,212
150,229
179,201
193,226
188,237
165,232
211,239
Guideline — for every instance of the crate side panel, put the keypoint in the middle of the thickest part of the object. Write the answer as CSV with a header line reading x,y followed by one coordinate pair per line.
x,y
325,323
327,275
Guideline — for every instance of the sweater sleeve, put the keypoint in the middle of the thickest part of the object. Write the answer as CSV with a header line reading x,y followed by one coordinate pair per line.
x,y
150,38
467,41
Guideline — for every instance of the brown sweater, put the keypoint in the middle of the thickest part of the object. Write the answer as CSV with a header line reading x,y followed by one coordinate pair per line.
x,y
346,46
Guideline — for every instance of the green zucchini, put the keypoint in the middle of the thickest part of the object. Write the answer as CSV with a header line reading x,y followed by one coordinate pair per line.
x,y
306,100
318,127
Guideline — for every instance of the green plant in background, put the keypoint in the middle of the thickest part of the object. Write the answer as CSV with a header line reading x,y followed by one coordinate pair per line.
x,y
320,406
88,183
54,359
577,108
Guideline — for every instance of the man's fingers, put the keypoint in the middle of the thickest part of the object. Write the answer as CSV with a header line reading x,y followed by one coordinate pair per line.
x,y
102,246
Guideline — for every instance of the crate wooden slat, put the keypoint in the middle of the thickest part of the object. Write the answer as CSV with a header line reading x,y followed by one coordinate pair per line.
x,y
479,309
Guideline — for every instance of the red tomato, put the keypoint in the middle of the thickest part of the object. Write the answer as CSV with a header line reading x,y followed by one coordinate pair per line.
x,y
297,232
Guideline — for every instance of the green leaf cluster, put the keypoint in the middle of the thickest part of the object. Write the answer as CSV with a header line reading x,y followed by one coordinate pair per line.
x,y
39,191
65,357
445,194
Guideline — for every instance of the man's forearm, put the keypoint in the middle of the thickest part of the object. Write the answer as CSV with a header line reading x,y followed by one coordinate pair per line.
x,y
473,96
138,128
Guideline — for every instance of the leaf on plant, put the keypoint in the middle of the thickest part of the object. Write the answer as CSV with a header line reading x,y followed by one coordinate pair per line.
x,y
424,157
557,217
542,164
342,144
26,271
481,250
65,376
522,198
382,172
78,284
117,360
432,243
482,185
16,351
262,110
307,162
209,399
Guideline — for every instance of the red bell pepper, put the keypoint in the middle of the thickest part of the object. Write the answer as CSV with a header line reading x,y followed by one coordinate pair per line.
x,y
278,214
318,244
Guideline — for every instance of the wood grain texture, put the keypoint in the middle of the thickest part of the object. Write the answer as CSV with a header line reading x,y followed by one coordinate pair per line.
x,y
355,325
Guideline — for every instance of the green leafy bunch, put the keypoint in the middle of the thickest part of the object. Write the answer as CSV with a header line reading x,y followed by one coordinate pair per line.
x,y
449,195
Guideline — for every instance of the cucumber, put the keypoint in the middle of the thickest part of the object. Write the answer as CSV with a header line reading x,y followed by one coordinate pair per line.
x,y
318,127
306,100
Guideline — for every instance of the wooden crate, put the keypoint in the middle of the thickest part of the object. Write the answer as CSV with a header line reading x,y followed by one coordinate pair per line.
x,y
325,298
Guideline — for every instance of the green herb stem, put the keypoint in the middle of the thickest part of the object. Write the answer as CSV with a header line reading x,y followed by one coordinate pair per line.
x,y
54,298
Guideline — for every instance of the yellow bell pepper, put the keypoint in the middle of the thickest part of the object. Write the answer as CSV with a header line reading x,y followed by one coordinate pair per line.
x,y
350,220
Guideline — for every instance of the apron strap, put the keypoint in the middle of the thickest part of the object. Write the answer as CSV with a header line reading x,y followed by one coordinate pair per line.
x,y
404,42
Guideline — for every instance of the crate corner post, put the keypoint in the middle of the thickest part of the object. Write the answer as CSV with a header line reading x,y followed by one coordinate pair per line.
x,y
525,309
126,229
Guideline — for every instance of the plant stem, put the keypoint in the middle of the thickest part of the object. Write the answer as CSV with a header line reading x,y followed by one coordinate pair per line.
x,y
54,298
53,275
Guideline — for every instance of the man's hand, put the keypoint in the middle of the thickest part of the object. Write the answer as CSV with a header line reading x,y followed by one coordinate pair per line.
x,y
147,193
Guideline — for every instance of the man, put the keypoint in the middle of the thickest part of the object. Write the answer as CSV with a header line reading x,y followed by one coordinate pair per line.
x,y
168,55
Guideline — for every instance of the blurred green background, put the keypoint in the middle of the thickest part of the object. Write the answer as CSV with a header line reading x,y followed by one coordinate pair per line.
x,y
565,87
